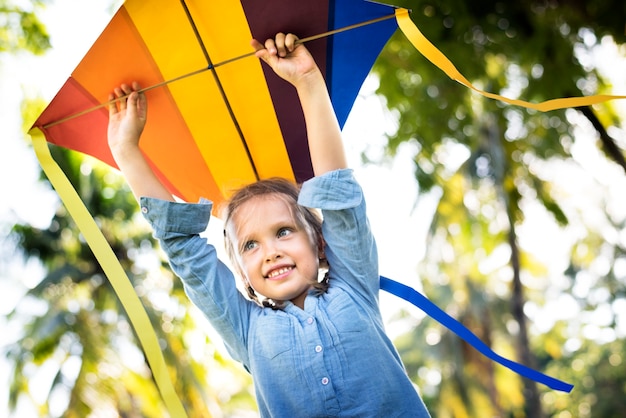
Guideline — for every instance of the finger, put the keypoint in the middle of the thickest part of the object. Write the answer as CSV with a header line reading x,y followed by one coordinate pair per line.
x,y
142,103
291,42
112,104
258,46
260,51
126,89
271,46
132,93
132,101
119,94
280,44
132,96
131,108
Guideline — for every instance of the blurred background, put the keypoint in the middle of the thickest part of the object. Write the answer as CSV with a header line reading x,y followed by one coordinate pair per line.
x,y
511,220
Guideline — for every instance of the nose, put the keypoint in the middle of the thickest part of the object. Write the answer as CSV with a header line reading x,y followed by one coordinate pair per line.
x,y
272,251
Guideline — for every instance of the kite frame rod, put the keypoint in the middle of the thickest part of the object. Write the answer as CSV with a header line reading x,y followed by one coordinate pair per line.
x,y
220,88
213,66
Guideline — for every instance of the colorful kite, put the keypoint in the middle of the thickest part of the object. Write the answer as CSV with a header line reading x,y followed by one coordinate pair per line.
x,y
219,119
230,121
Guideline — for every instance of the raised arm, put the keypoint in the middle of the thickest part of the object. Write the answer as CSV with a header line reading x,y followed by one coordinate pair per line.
x,y
127,118
293,62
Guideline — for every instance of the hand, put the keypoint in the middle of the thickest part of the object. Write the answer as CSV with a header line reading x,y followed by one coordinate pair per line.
x,y
288,58
127,116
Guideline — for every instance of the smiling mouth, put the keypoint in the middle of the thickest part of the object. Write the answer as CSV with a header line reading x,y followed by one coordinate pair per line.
x,y
279,272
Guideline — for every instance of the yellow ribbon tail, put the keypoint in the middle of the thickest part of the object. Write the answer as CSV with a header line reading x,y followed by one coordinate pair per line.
x,y
430,52
113,270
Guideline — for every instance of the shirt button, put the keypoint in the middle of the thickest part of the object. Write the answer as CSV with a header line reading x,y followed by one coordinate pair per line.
x,y
144,209
318,348
325,381
309,321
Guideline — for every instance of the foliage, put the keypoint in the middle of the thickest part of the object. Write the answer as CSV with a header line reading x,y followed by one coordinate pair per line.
x,y
20,29
486,160
76,352
482,157
83,332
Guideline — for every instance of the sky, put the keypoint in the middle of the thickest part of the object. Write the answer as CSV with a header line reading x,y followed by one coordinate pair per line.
x,y
400,226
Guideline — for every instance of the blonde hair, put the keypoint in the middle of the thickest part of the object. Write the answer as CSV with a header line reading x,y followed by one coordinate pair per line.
x,y
306,218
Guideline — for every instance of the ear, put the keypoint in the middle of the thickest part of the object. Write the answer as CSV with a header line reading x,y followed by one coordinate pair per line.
x,y
321,253
321,246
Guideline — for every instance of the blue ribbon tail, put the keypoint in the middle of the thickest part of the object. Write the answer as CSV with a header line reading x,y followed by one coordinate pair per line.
x,y
414,297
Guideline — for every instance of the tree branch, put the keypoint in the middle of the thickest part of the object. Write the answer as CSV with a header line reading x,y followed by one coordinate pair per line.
x,y
610,147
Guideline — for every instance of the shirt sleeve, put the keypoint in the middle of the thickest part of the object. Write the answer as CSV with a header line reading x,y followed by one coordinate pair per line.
x,y
208,282
350,245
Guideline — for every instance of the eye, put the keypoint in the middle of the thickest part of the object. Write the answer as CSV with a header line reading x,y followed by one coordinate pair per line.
x,y
248,245
283,232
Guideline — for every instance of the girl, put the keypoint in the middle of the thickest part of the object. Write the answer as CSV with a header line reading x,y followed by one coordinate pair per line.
x,y
314,347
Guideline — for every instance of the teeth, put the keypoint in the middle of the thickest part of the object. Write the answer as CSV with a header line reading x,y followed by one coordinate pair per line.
x,y
279,272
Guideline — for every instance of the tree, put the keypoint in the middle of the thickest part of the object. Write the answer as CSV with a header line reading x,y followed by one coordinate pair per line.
x,y
20,29
83,332
73,328
533,50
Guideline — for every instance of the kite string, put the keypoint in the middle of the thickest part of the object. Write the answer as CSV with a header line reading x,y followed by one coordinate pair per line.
x,y
212,66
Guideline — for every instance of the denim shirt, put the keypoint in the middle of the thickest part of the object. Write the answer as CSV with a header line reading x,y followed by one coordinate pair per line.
x,y
331,358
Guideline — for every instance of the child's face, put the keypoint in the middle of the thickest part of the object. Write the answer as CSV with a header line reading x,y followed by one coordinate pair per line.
x,y
277,256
